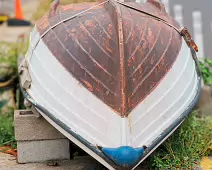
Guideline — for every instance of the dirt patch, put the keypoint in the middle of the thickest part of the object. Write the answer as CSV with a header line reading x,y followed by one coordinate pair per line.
x,y
8,162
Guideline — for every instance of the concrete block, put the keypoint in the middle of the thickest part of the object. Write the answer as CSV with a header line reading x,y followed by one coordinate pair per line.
x,y
30,126
43,150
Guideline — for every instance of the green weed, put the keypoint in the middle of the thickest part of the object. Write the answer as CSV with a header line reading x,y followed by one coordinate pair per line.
x,y
205,67
184,148
7,136
6,126
8,60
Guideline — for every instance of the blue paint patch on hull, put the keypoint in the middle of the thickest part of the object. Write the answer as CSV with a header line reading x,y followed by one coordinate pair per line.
x,y
124,156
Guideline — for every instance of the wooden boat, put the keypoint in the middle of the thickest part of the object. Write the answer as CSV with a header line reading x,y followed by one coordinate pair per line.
x,y
117,78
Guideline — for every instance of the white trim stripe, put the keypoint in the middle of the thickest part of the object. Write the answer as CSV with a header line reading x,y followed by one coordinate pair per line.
x,y
154,107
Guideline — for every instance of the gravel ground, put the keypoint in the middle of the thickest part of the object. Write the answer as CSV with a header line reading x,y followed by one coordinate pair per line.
x,y
10,34
8,162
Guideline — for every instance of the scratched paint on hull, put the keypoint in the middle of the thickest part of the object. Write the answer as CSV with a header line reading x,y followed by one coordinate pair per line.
x,y
120,60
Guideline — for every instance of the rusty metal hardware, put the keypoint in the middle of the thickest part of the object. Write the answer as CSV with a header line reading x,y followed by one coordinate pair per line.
x,y
187,36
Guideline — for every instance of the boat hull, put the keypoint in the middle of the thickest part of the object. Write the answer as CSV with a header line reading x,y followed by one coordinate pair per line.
x,y
46,85
122,119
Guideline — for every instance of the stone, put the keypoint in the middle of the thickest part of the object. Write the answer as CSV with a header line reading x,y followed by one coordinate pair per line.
x,y
38,140
8,162
30,126
43,150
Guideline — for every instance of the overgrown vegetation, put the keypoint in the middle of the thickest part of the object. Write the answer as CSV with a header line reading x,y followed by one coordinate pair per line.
x,y
184,148
191,141
206,66
8,60
8,81
7,136
8,57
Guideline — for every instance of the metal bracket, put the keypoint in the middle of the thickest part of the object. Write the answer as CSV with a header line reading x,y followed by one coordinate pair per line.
x,y
25,76
187,36
193,47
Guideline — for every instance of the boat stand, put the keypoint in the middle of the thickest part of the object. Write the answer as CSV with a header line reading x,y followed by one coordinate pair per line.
x,y
39,142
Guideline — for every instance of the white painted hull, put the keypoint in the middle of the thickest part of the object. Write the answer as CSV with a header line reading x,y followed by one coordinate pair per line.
x,y
56,90
116,96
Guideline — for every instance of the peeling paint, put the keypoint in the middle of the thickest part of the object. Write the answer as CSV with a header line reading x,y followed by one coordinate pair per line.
x,y
116,52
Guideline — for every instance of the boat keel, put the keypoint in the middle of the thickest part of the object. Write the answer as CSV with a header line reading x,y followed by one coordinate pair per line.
x,y
124,156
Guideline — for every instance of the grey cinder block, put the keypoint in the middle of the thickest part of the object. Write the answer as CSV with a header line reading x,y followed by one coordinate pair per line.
x,y
43,150
38,140
30,126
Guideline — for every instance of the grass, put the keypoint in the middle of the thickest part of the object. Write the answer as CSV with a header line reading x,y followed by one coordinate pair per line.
x,y
8,73
184,148
8,59
7,136
9,55
205,67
